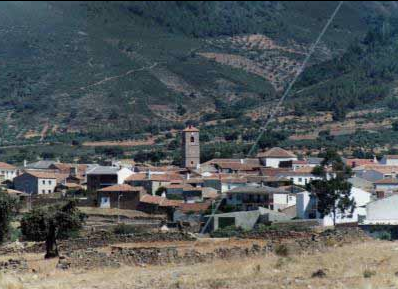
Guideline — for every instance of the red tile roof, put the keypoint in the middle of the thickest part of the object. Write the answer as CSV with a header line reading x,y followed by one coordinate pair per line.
x,y
191,129
7,166
154,177
276,152
195,207
160,201
43,174
387,181
121,188
359,162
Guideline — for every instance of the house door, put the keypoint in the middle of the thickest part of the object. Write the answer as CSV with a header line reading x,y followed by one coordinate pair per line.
x,y
105,202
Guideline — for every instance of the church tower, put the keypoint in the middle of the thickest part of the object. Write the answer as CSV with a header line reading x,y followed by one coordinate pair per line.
x,y
190,148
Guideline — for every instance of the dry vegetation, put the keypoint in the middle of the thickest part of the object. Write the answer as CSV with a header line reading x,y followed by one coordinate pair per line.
x,y
372,264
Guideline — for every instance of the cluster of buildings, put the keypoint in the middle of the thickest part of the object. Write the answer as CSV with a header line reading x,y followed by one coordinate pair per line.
x,y
268,188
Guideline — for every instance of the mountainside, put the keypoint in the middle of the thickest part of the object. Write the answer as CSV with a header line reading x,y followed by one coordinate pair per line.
x,y
114,70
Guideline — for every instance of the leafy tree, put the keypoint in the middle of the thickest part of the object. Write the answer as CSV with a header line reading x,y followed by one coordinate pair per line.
x,y
52,223
333,191
395,126
8,207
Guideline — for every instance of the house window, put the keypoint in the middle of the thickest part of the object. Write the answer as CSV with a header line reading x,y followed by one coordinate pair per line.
x,y
300,180
49,191
43,182
43,191
49,182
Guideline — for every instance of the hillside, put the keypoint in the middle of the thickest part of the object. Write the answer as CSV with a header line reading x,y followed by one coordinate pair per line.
x,y
115,70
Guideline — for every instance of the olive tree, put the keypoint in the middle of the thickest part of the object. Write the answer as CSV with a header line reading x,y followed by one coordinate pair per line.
x,y
8,209
52,223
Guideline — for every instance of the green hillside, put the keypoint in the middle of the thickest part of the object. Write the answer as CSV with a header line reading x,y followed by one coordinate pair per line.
x,y
115,70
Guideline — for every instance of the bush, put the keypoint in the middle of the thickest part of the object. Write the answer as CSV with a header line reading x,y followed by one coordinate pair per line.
x,y
282,250
368,273
123,229
386,236
227,232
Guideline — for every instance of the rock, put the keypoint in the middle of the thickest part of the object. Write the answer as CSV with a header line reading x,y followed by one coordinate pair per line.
x,y
319,274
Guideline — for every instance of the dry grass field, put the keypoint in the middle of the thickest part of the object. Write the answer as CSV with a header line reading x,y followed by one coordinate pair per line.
x,y
372,264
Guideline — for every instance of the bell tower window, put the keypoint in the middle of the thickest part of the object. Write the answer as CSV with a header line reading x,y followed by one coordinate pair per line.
x,y
192,139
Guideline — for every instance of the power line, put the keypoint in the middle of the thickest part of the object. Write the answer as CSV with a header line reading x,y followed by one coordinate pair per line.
x,y
301,69
281,100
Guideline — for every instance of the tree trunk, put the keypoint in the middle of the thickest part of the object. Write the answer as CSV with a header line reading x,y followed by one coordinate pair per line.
x,y
334,217
51,244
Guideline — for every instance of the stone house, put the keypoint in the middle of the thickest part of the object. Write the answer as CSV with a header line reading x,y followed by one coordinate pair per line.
x,y
275,157
7,172
120,196
251,198
151,182
105,176
36,182
389,160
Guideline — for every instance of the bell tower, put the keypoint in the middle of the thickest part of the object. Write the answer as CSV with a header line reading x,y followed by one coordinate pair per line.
x,y
190,148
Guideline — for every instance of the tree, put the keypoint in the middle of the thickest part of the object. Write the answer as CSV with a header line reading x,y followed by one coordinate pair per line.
x,y
8,208
395,126
333,191
52,223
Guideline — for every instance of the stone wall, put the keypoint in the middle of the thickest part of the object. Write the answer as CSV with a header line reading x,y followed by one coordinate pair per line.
x,y
92,258
100,239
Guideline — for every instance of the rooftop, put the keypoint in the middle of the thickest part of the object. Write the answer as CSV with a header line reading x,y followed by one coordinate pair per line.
x,y
121,188
191,129
7,166
102,170
276,152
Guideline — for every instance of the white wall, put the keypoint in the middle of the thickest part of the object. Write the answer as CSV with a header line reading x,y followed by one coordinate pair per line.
x,y
361,197
46,186
389,162
225,187
123,174
282,201
302,180
383,210
386,187
9,175
274,162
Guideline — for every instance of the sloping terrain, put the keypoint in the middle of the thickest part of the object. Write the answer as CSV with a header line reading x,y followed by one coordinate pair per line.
x,y
112,70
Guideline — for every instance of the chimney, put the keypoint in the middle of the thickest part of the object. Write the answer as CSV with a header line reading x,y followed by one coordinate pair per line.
x,y
188,176
73,171
242,161
149,174
25,163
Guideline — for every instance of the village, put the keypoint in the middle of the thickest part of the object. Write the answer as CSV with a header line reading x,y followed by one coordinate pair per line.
x,y
239,211
206,197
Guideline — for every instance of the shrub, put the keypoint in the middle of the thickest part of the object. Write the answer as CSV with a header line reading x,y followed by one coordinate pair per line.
x,y
282,250
227,232
368,273
385,236
123,229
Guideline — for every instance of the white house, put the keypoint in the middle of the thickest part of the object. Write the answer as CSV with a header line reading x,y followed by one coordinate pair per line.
x,y
374,173
306,208
8,172
386,185
389,160
300,177
101,176
251,198
275,156
36,182
382,212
